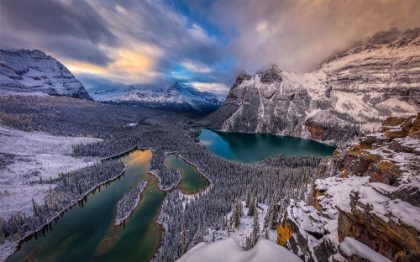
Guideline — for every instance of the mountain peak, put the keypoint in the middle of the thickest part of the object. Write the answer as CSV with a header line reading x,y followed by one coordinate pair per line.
x,y
385,37
271,74
34,72
176,86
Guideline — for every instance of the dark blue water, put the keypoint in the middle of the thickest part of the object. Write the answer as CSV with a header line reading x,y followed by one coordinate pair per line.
x,y
250,148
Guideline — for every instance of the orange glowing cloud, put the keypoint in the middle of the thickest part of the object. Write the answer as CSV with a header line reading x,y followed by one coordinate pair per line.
x,y
129,66
131,62
79,67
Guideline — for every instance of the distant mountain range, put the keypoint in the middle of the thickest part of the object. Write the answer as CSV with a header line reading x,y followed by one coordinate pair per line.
x,y
32,72
359,87
35,73
175,97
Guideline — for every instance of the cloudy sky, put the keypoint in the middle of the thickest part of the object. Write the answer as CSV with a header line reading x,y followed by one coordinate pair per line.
x,y
199,43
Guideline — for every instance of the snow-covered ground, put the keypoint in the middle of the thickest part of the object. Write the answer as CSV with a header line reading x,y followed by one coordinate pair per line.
x,y
38,156
244,230
229,250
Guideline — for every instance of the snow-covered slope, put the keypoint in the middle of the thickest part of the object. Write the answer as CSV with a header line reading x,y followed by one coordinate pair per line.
x,y
34,72
361,86
229,250
175,97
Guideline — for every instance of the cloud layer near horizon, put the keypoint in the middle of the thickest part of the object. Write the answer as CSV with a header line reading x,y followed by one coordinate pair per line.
x,y
197,42
299,34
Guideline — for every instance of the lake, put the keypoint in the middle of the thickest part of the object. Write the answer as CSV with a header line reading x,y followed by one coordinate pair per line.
x,y
250,148
86,232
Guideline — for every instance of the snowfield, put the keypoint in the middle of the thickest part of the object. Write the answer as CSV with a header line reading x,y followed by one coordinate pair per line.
x,y
37,157
229,250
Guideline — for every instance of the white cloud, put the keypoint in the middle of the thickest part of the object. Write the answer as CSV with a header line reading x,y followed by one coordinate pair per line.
x,y
217,88
194,67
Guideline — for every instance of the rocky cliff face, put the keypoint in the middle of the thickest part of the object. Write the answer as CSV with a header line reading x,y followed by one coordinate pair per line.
x,y
34,72
370,209
359,87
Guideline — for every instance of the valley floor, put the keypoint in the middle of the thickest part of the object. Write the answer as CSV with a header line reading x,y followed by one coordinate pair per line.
x,y
28,163
32,159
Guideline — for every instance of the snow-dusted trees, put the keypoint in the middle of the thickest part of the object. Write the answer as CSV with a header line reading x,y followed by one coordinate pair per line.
x,y
270,220
129,202
269,181
168,177
252,207
70,187
237,213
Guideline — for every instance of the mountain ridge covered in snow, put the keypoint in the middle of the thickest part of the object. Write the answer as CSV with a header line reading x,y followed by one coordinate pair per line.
x,y
32,72
353,91
175,97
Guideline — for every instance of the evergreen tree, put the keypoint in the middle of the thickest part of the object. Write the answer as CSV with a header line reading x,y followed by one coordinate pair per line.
x,y
251,209
248,197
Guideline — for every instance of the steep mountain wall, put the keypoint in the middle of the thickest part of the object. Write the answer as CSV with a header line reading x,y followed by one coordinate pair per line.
x,y
354,90
34,72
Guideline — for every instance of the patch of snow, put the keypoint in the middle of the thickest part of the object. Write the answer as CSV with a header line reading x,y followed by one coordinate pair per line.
x,y
38,156
386,208
337,191
306,217
229,250
351,247
7,249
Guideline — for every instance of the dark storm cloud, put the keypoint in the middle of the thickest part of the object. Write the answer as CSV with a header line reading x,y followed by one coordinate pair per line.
x,y
66,29
57,18
74,49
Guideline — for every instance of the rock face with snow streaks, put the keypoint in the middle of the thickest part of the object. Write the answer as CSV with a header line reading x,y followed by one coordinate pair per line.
x,y
386,215
34,72
362,86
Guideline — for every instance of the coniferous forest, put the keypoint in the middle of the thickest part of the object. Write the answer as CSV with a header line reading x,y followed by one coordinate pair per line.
x,y
265,182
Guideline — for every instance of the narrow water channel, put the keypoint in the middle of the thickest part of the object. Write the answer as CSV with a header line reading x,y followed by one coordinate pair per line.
x,y
86,232
192,180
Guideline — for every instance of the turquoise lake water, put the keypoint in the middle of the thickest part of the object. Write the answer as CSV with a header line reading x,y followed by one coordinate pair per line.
x,y
250,148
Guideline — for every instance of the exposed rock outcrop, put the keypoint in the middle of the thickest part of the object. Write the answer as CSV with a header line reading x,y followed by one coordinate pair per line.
x,y
370,209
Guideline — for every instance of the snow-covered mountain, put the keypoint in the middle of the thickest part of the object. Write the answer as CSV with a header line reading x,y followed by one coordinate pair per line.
x,y
103,93
356,88
176,97
34,72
